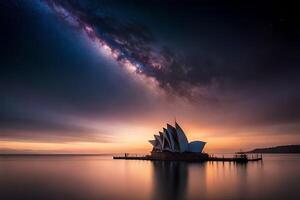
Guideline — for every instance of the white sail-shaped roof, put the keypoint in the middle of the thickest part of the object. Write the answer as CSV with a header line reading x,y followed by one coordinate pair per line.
x,y
174,140
196,146
166,141
161,134
182,140
159,139
171,139
173,134
153,142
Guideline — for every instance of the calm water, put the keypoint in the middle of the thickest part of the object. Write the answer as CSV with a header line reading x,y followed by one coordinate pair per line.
x,y
100,177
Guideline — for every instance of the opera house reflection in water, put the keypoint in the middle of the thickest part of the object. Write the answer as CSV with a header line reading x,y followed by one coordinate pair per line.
x,y
169,180
210,180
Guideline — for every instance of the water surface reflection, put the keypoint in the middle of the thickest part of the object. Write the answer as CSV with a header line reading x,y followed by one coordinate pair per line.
x,y
99,177
169,180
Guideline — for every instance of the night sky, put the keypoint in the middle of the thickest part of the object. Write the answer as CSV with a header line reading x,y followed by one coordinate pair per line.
x,y
92,76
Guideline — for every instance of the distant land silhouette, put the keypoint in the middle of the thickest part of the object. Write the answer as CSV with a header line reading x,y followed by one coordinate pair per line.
x,y
278,149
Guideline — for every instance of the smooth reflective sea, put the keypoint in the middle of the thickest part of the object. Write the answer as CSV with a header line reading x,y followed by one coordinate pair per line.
x,y
101,177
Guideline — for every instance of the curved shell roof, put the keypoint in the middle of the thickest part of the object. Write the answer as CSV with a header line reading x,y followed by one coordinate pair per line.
x,y
173,139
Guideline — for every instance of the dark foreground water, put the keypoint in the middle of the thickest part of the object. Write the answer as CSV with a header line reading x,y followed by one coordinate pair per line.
x,y
100,177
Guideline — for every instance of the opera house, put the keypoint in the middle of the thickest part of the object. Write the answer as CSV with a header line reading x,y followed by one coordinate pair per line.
x,y
172,143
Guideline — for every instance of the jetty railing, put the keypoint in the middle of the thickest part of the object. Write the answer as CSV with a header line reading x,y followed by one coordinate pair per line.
x,y
211,157
130,155
254,156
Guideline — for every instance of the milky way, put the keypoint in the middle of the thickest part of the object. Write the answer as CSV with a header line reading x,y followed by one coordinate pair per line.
x,y
132,45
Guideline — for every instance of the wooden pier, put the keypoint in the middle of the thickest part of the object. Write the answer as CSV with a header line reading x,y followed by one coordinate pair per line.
x,y
239,158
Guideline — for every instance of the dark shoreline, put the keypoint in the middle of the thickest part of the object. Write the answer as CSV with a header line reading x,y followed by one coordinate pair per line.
x,y
286,149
